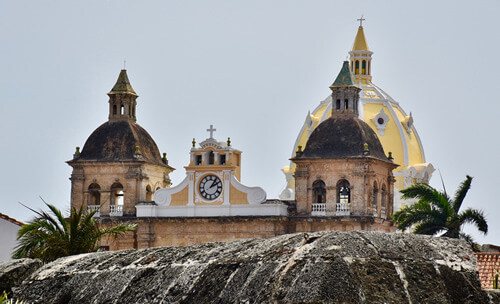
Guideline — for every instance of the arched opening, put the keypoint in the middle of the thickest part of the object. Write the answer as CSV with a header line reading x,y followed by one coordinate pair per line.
x,y
356,70
94,194
122,110
211,158
114,109
369,67
318,198
116,206
149,193
319,192
375,199
337,104
343,198
94,199
363,67
383,202
346,102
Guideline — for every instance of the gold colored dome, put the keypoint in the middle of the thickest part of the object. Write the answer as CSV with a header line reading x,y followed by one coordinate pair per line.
x,y
393,126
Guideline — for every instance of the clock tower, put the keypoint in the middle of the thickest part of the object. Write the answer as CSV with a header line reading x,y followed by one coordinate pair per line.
x,y
212,187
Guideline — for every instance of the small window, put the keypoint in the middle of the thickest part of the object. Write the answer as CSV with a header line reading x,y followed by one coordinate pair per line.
x,y
222,160
211,158
114,110
198,160
338,104
363,67
122,109
346,102
149,193
357,68
104,248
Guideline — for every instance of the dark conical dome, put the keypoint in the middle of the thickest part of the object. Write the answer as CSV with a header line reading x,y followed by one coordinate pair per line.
x,y
342,137
115,140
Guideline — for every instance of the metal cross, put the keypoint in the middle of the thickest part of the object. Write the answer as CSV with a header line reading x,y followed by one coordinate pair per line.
x,y
361,20
211,130
124,64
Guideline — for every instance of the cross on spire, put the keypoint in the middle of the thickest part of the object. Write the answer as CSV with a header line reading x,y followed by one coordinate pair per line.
x,y
361,20
211,130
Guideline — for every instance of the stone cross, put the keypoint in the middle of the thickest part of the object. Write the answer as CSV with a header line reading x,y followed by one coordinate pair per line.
x,y
211,130
361,20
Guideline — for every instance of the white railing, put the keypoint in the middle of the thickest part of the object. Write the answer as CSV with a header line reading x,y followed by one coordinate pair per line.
x,y
382,213
95,208
116,210
318,209
343,208
375,211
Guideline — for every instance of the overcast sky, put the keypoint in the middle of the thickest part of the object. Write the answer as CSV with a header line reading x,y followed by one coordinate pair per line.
x,y
252,69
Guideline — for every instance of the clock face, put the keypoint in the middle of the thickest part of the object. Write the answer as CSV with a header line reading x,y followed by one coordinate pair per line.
x,y
210,187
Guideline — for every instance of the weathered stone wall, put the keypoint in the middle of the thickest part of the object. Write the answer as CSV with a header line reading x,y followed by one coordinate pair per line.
x,y
321,267
176,231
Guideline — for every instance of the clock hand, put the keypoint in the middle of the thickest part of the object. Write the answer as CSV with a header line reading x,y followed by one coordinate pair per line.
x,y
214,184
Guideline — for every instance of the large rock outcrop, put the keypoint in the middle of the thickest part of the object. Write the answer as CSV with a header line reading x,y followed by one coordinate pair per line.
x,y
323,267
13,273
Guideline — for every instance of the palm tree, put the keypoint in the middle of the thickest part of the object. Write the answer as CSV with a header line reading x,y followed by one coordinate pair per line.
x,y
435,212
50,235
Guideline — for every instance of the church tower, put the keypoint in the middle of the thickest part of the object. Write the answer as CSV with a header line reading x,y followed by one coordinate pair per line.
x,y
361,57
212,187
343,172
120,164
393,126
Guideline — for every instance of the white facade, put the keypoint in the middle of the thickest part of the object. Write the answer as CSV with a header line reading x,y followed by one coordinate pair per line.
x,y
8,236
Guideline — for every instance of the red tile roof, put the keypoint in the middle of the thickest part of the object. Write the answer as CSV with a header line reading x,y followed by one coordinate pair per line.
x,y
488,263
5,217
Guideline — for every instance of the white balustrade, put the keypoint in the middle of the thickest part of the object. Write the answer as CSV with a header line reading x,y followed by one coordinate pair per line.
x,y
318,209
116,210
343,208
96,208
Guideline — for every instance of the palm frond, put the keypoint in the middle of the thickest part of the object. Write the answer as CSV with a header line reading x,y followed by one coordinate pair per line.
x,y
417,214
429,228
461,193
474,217
426,193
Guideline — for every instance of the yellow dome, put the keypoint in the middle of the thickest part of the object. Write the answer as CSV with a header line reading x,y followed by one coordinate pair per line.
x,y
393,126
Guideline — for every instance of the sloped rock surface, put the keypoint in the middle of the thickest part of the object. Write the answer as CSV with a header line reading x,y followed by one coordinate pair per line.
x,y
13,273
322,267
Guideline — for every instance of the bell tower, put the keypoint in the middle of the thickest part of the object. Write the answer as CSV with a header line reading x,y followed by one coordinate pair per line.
x,y
361,56
345,93
122,99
